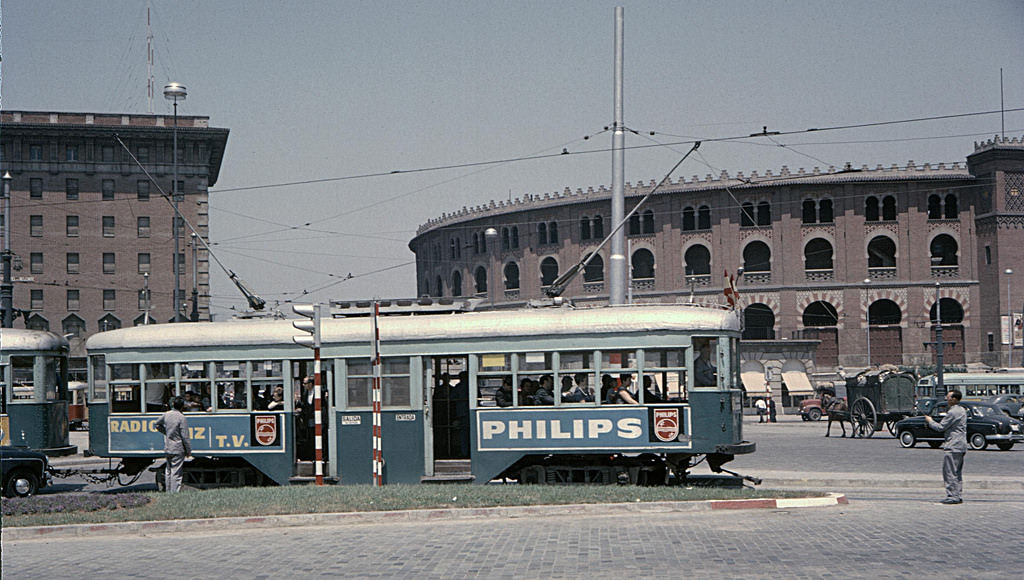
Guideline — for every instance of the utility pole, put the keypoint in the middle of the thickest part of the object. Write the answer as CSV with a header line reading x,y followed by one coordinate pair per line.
x,y
175,92
7,288
617,262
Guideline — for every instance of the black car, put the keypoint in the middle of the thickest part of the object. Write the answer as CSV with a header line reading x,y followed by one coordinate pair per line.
x,y
1012,405
22,471
985,424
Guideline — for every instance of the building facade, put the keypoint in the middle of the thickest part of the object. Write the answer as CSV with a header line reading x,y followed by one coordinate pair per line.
x,y
90,230
837,265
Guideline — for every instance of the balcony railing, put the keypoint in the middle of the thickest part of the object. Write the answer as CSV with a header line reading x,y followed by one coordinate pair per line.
x,y
882,273
593,287
757,277
819,275
643,284
698,280
945,271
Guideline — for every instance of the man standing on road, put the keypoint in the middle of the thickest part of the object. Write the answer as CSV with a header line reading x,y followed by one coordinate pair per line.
x,y
954,425
177,445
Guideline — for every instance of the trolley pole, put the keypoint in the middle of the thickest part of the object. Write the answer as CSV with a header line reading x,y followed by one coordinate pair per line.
x,y
378,450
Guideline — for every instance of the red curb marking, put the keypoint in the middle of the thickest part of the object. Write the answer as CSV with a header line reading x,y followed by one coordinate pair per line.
x,y
739,504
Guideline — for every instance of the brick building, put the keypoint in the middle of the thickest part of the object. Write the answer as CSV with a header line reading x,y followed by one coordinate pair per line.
x,y
87,224
822,251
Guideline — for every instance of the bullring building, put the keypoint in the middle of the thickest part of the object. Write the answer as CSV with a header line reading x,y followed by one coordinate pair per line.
x,y
838,265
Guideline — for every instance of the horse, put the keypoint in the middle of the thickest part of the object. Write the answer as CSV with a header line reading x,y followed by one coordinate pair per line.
x,y
837,410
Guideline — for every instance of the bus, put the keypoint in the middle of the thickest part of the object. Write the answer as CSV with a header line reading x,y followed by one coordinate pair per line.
x,y
33,381
442,416
975,385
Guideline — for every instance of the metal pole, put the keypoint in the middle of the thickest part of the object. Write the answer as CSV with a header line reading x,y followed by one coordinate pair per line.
x,y
491,237
194,317
378,447
7,288
145,294
617,262
867,316
941,388
177,241
1009,320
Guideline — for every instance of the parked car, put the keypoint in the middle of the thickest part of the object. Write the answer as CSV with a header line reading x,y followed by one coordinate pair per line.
x,y
23,471
985,424
1012,405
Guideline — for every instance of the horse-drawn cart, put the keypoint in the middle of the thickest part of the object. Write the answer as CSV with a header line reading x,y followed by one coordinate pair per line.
x,y
879,398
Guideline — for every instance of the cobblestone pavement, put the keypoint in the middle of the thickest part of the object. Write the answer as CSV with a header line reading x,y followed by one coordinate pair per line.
x,y
880,536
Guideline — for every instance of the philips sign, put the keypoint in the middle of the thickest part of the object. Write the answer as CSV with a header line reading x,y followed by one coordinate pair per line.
x,y
569,428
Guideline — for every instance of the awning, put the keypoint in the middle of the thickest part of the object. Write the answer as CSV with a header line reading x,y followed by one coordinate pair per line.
x,y
754,383
797,383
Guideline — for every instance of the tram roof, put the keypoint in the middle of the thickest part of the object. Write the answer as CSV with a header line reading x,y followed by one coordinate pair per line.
x,y
23,339
528,322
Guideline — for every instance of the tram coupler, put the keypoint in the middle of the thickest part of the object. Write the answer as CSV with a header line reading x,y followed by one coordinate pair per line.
x,y
750,478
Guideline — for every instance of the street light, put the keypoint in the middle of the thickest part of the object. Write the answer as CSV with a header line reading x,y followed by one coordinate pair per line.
x,y
7,288
175,92
867,316
1009,320
491,235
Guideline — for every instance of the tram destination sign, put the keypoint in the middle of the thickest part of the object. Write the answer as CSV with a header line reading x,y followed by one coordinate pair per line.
x,y
210,434
568,429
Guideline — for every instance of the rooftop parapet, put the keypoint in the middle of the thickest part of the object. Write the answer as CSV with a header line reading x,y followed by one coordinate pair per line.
x,y
999,142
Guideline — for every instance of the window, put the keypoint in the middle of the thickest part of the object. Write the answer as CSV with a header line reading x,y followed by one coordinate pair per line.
x,y
944,250
757,257
108,189
889,208
511,276
689,219
648,222
542,234
480,277
704,218
934,207
181,263
881,253
698,260
594,271
456,283
142,189
109,299
142,226
825,213
747,214
108,153
634,225
35,188
36,322
643,264
231,385
818,255
871,209
584,228
71,153
548,271
71,188
36,300
35,152
35,226
952,207
177,221
988,255
73,266
515,237
36,259
109,322
144,264
108,226
810,213
74,299
71,226
764,214
109,264
597,227
143,154
553,232
395,390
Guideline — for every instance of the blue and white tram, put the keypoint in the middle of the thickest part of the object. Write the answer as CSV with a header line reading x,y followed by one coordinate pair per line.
x,y
34,391
442,418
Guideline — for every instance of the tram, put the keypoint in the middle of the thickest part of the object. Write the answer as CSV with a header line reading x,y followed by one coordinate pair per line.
x,y
1002,382
33,381
442,416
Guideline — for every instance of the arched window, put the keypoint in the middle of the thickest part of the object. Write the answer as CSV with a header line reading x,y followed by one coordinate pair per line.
x,y
952,312
943,250
758,322
483,243
884,311
476,243
451,248
37,322
810,213
458,247
109,322
73,325
747,214
643,264
825,213
511,276
553,232
584,228
764,214
952,207
542,233
456,283
515,237
697,260
881,253
598,227
871,209
548,271
757,257
634,224
818,255
594,272
704,218
820,313
648,222
481,280
934,207
506,242
439,287
689,219
889,208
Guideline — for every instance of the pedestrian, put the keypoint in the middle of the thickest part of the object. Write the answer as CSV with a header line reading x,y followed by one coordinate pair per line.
x,y
177,444
772,418
761,407
954,426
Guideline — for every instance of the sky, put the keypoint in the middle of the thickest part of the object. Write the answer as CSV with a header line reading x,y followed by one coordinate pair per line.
x,y
331,92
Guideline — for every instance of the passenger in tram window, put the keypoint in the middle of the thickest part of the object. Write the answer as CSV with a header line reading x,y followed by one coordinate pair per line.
x,y
545,394
157,397
651,394
704,371
582,387
567,396
194,403
276,399
626,391
503,396
608,389
527,390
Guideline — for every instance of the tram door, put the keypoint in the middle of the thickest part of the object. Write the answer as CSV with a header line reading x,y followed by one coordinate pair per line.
x,y
450,408
305,418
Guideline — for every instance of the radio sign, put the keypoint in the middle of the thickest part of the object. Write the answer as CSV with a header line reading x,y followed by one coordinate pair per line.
x,y
210,434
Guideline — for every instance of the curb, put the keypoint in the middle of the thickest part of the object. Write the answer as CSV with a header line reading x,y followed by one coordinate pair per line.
x,y
427,515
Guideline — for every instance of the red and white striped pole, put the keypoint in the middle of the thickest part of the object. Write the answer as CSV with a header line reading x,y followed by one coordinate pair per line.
x,y
378,452
318,440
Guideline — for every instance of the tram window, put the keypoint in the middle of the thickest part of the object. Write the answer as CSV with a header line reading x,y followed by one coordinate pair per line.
x,y
99,378
51,379
666,370
496,363
231,385
535,361
126,386
395,384
3,389
159,386
575,377
359,382
613,361
266,376
23,378
395,391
